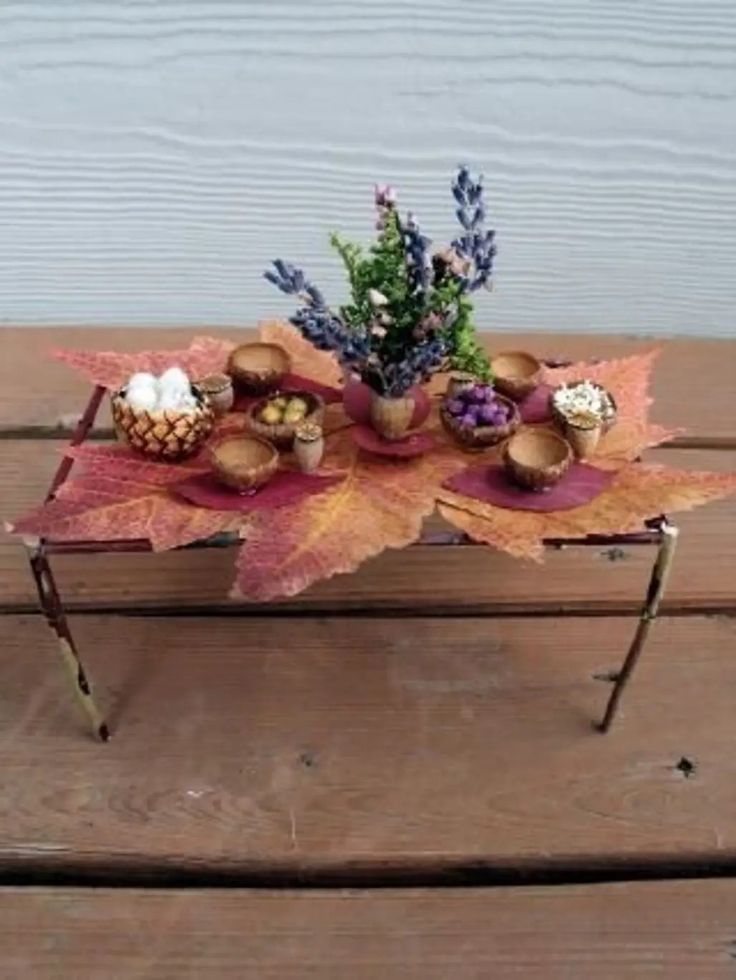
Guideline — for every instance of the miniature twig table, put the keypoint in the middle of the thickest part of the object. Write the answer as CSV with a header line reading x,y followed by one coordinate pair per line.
x,y
658,531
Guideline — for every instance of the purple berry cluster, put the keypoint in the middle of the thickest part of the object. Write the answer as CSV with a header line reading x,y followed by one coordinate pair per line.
x,y
477,405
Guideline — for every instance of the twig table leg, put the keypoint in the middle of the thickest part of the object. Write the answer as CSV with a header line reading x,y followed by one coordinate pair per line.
x,y
53,610
655,591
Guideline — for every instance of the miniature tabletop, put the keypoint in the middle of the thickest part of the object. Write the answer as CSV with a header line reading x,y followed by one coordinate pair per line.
x,y
370,502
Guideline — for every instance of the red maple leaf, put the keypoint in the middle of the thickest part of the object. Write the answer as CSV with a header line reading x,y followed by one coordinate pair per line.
x,y
118,496
111,369
378,504
307,361
637,492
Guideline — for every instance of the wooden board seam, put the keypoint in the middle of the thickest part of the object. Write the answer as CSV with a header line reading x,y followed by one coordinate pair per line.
x,y
352,610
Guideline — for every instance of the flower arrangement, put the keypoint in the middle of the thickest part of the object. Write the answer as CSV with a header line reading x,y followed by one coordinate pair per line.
x,y
410,312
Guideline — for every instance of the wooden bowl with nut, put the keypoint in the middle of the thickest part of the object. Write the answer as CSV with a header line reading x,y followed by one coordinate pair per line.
x,y
537,459
515,373
244,463
258,368
277,416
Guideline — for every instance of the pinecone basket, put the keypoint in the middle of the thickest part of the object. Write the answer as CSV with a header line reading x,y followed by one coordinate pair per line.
x,y
168,434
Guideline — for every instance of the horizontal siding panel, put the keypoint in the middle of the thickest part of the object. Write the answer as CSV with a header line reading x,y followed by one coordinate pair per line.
x,y
156,156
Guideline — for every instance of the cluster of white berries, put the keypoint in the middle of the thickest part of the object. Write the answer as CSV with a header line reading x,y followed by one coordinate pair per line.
x,y
171,392
584,397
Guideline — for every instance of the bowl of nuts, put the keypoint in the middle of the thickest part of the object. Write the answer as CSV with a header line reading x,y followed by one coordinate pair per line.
x,y
277,416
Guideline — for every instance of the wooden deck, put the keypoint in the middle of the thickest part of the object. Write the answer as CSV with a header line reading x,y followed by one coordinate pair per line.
x,y
383,794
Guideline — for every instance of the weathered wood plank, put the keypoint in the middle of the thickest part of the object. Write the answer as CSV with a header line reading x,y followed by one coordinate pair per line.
x,y
423,577
332,745
673,929
37,392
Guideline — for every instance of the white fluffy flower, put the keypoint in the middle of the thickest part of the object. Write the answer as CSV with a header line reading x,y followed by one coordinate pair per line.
x,y
583,397
174,380
143,398
142,379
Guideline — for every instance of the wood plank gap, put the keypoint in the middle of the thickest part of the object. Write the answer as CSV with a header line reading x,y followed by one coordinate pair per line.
x,y
513,610
363,875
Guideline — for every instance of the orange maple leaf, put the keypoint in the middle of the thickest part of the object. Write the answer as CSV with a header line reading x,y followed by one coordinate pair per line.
x,y
638,492
319,365
111,369
628,379
119,496
379,504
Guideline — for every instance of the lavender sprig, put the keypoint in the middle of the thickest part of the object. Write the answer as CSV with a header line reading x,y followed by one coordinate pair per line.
x,y
327,332
292,281
418,257
476,243
315,321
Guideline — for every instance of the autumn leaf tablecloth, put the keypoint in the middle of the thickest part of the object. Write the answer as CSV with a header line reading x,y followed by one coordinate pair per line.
x,y
375,504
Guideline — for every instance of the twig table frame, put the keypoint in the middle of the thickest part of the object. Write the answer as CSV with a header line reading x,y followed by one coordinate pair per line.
x,y
657,531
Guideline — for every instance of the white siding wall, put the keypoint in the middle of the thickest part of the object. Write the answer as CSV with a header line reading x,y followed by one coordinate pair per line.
x,y
154,155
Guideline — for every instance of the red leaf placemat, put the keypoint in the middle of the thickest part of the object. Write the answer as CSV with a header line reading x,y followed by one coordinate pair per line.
x,y
490,484
535,407
285,487
411,445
